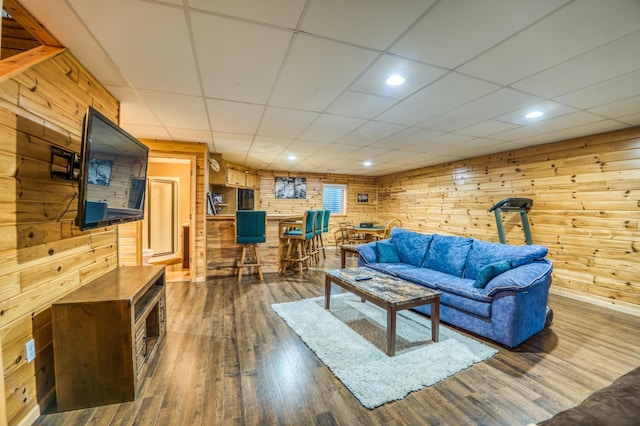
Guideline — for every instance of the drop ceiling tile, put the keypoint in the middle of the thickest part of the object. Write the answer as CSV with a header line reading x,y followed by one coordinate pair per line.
x,y
632,119
229,52
406,137
317,71
568,121
149,36
587,69
417,75
371,23
285,123
621,108
234,117
368,153
178,111
437,98
147,132
486,107
371,132
360,105
268,144
231,142
276,12
437,143
603,93
329,127
573,30
549,108
486,128
302,148
455,31
473,148
574,132
189,135
132,109
335,151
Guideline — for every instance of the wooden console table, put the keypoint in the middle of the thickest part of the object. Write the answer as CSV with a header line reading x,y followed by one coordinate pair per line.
x,y
104,335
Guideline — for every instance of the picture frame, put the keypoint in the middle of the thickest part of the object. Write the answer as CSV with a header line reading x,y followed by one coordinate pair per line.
x,y
362,197
290,188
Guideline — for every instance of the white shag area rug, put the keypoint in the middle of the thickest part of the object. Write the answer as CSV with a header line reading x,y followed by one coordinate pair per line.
x,y
337,338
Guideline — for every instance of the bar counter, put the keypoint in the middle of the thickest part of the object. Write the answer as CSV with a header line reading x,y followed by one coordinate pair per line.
x,y
223,252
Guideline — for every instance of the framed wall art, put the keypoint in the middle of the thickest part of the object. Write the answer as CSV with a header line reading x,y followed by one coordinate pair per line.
x,y
362,197
290,188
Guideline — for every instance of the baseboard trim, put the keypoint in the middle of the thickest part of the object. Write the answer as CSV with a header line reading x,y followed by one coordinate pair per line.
x,y
596,300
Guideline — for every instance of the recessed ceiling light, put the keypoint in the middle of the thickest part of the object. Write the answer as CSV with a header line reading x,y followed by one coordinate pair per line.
x,y
367,164
534,114
291,157
396,80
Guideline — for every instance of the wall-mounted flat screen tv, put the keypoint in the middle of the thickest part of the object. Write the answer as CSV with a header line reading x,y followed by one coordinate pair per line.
x,y
113,173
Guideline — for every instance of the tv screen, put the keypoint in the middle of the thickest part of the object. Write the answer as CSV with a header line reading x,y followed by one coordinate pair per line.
x,y
112,176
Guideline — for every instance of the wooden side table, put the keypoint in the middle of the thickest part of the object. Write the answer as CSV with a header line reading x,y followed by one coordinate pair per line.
x,y
344,249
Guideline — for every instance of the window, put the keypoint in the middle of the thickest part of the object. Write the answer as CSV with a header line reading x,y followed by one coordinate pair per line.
x,y
334,198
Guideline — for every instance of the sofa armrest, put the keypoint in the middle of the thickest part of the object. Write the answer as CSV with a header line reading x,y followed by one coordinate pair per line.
x,y
521,278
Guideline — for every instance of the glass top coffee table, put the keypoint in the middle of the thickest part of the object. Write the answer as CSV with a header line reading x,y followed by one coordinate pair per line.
x,y
390,293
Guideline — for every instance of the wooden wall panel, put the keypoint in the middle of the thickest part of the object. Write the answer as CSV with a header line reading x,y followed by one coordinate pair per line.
x,y
356,212
43,255
586,207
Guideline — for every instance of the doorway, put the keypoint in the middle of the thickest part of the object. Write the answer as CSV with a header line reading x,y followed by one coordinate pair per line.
x,y
168,225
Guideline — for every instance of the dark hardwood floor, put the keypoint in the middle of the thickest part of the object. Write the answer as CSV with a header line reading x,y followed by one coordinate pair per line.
x,y
229,359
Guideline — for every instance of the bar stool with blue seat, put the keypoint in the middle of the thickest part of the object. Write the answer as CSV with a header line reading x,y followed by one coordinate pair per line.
x,y
298,242
251,228
324,229
317,234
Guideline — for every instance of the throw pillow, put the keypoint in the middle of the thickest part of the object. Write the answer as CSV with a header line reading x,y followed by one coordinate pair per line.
x,y
387,252
490,271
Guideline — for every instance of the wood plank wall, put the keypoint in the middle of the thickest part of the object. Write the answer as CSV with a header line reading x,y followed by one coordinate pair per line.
x,y
586,207
42,254
356,212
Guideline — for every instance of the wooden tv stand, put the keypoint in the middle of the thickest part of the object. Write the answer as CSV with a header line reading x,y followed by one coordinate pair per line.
x,y
104,335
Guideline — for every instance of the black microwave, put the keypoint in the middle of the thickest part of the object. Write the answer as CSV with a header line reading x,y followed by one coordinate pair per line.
x,y
245,199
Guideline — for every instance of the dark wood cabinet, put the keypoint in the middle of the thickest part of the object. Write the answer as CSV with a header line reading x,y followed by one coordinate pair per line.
x,y
104,335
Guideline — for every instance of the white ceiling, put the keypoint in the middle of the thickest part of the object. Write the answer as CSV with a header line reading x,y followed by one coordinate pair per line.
x,y
259,80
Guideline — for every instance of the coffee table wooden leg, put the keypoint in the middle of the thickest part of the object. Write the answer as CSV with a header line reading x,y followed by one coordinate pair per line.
x,y
343,258
391,332
327,292
435,320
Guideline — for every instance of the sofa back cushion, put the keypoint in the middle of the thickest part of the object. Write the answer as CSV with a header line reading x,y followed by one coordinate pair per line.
x,y
484,253
412,246
448,254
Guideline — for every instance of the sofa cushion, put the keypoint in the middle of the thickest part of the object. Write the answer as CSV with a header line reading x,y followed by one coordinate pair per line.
x,y
412,246
483,253
390,268
448,254
386,252
490,271
444,283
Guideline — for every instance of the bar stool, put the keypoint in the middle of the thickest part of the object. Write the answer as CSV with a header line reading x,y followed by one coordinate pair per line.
x,y
251,226
317,234
325,229
298,237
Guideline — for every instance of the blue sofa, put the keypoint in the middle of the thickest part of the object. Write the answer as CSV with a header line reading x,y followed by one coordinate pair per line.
x,y
494,290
